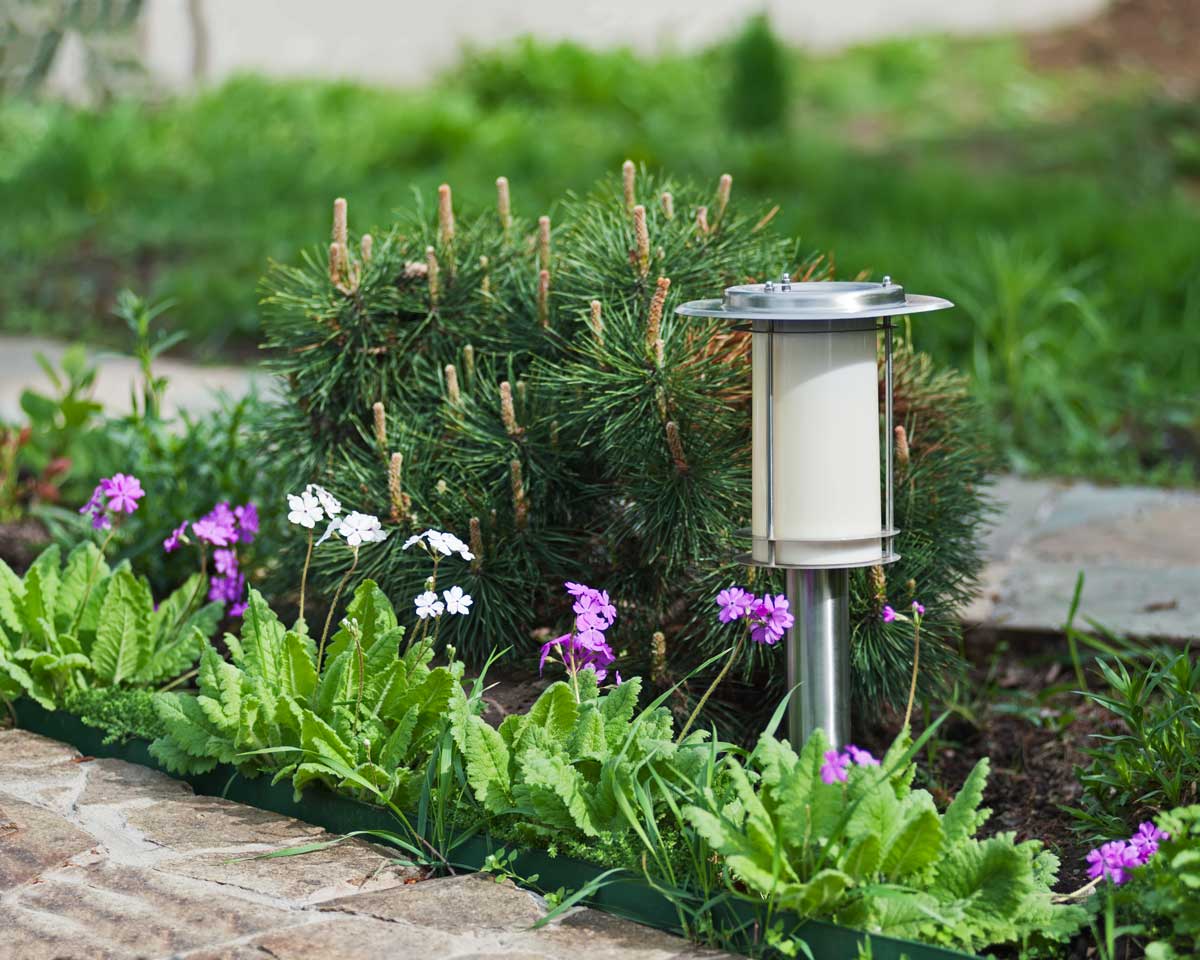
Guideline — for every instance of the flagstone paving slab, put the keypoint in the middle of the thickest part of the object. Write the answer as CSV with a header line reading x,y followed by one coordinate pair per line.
x,y
106,860
1138,548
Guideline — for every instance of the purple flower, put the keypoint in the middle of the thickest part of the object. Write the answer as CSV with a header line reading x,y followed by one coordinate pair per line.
x,y
172,542
237,609
918,608
247,521
735,603
773,618
227,589
211,532
1113,861
864,758
834,769
225,562
888,614
576,589
123,492
95,506
1145,841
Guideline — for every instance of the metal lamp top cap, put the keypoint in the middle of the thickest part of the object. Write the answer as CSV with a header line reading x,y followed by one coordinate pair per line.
x,y
813,300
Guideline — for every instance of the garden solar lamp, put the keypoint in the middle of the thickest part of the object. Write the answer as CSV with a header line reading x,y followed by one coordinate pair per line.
x,y
818,507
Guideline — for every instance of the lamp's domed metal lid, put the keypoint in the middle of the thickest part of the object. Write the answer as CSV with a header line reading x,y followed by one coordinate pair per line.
x,y
813,300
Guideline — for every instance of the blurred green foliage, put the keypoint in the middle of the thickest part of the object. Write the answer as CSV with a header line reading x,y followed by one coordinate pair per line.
x,y
1055,207
759,94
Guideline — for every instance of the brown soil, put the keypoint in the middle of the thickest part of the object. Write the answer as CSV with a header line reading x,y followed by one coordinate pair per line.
x,y
21,541
1160,37
1034,748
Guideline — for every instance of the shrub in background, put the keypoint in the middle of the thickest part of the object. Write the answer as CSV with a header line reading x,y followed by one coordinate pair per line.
x,y
530,383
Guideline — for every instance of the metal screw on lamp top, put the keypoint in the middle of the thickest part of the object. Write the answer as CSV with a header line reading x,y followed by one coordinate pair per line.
x,y
817,510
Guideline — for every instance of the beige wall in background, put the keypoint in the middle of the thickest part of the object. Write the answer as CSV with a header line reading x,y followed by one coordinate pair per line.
x,y
405,42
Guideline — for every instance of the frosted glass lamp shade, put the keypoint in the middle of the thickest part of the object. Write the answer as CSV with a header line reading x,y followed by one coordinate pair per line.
x,y
817,501
816,444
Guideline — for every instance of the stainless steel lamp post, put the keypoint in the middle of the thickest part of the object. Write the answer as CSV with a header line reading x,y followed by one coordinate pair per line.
x,y
817,509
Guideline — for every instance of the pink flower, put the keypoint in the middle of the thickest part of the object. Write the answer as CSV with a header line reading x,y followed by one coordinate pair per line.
x,y
210,531
773,619
247,521
735,603
835,767
918,608
1113,861
225,562
123,492
864,758
1145,841
888,614
172,542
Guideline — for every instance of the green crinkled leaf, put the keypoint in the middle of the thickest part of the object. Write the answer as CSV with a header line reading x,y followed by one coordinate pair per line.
x,y
963,816
298,670
84,565
261,646
167,751
372,610
41,586
12,600
395,751
554,712
122,644
487,759
319,737
916,840
546,779
220,684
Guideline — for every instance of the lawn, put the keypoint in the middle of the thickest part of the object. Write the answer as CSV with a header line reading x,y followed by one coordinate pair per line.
x,y
1058,208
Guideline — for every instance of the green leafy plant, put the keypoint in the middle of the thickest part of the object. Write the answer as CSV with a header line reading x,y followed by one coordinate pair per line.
x,y
372,716
856,844
57,440
68,626
570,765
1152,761
1163,898
122,713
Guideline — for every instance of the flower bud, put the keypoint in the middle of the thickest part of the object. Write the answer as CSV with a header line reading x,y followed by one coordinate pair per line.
x,y
642,238
658,658
469,364
668,205
475,541
520,504
339,221
445,216
628,177
503,204
702,221
543,248
902,451
543,299
452,384
507,413
431,274
395,488
654,316
597,322
675,445
365,245
380,425
724,186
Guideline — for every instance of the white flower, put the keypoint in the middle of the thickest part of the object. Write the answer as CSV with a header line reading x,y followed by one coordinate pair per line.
x,y
328,501
437,541
359,528
329,531
428,605
304,510
457,601
415,538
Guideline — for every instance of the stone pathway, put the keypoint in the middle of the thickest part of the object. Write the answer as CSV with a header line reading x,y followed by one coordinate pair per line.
x,y
106,860
193,388
1138,547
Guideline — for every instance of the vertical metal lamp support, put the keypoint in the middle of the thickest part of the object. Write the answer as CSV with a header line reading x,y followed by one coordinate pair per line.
x,y
818,655
889,437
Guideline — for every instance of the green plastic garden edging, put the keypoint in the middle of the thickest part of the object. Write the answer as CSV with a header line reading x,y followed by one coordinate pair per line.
x,y
631,898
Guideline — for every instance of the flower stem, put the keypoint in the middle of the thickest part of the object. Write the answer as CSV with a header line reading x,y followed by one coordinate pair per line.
x,y
178,680
304,575
333,606
912,687
737,648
